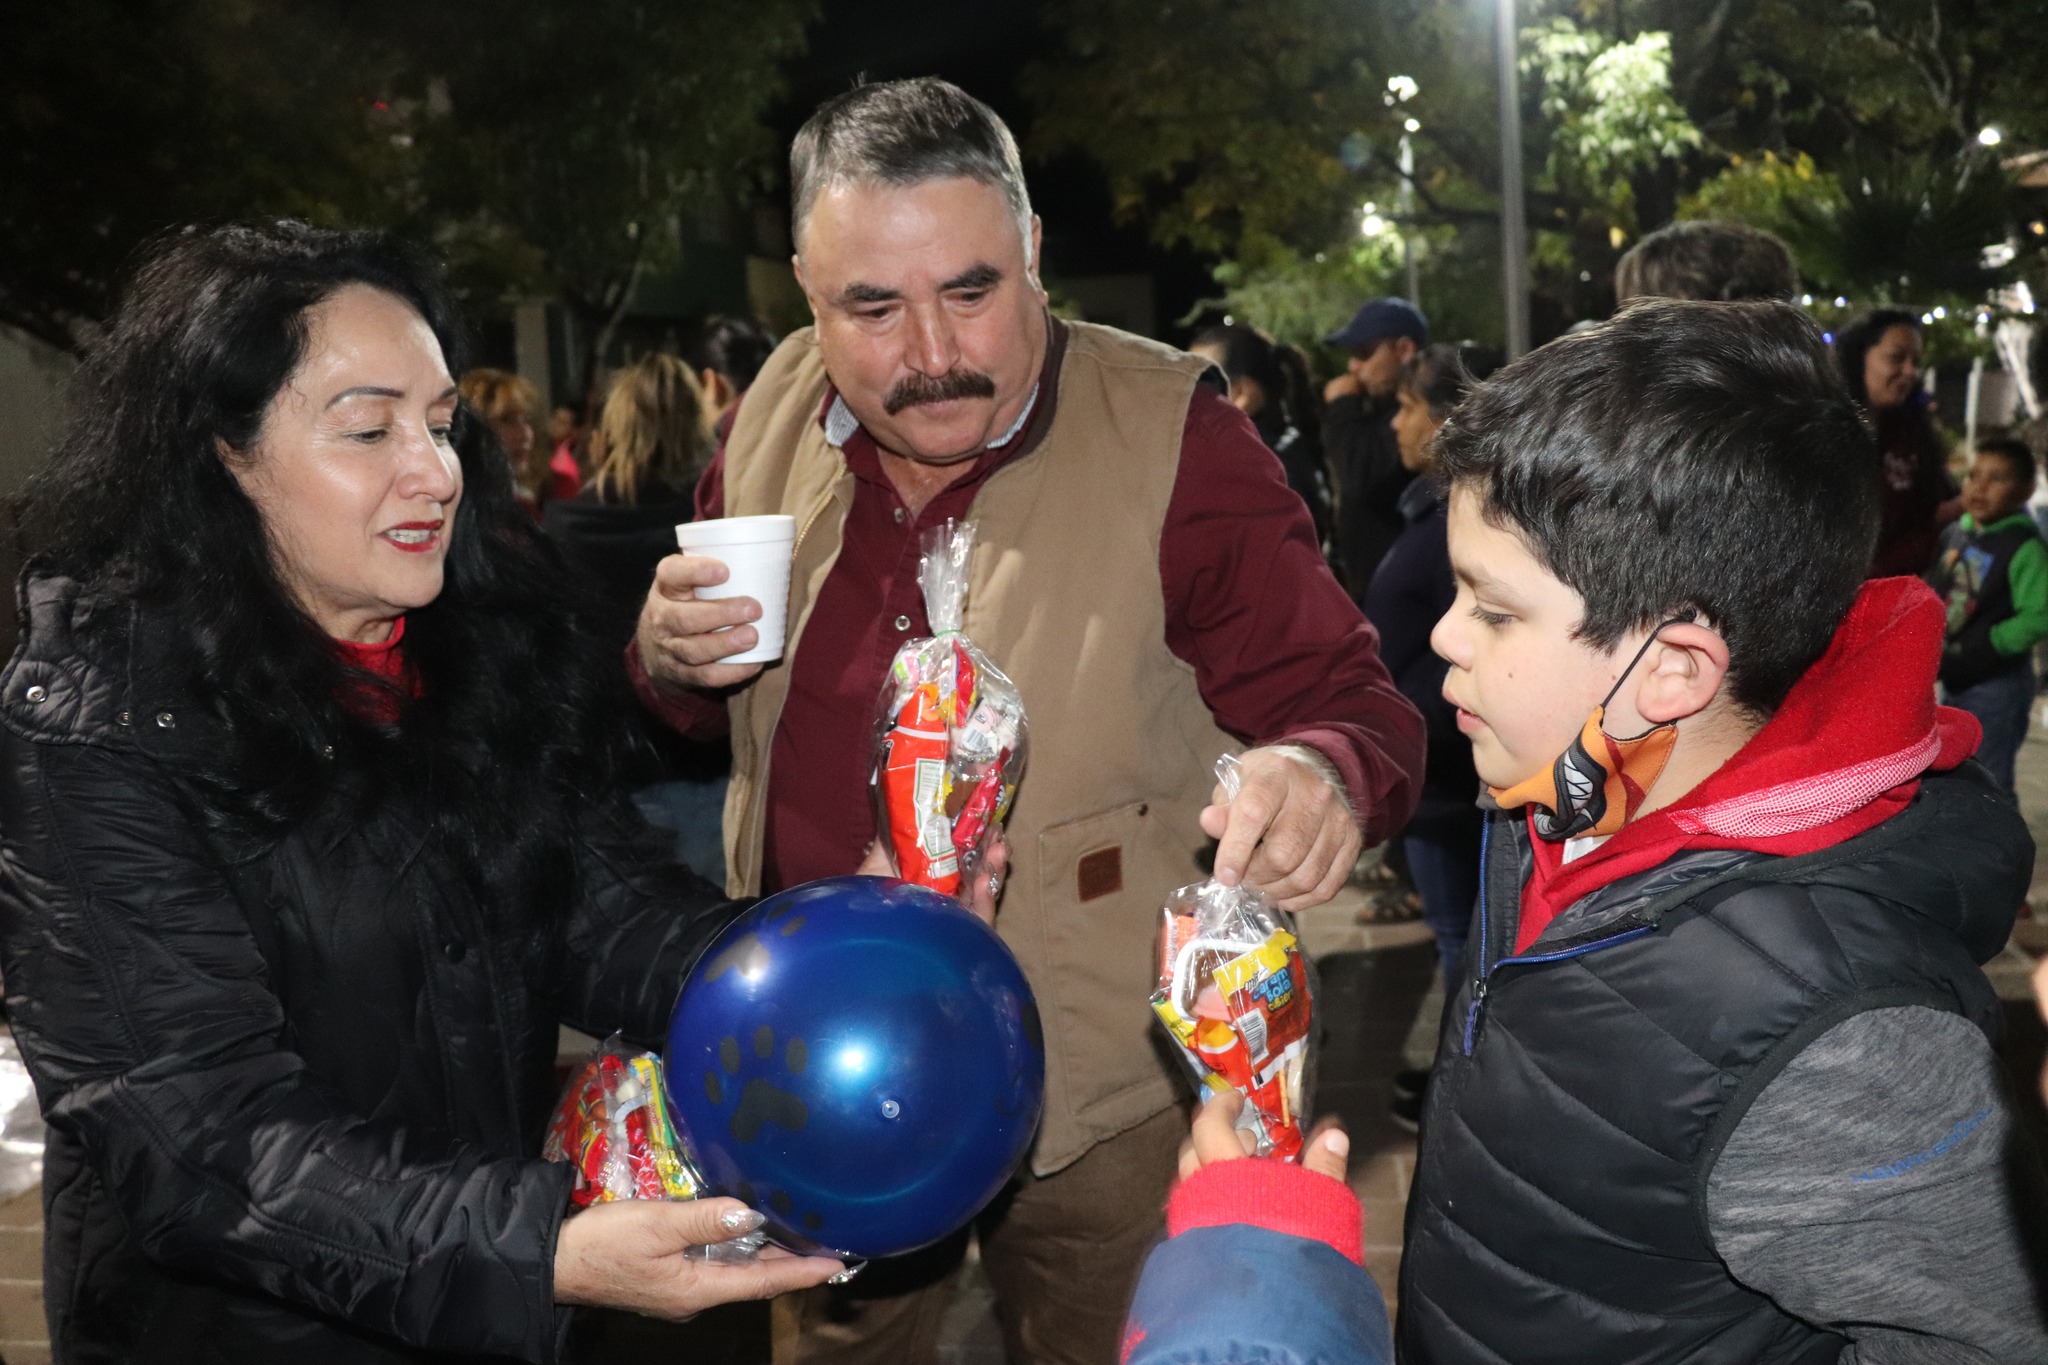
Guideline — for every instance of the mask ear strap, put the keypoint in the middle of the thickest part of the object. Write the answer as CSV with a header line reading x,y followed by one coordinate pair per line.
x,y
1686,617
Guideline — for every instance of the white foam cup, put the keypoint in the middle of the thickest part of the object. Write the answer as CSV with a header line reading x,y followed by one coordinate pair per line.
x,y
755,552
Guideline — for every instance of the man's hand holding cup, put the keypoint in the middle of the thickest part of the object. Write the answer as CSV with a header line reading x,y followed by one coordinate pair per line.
x,y
682,637
715,613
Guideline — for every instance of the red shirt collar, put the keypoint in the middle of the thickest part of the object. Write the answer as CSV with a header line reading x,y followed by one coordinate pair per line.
x,y
1843,753
385,660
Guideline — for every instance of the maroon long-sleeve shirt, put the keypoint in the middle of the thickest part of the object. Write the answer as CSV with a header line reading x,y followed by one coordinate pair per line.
x,y
1280,653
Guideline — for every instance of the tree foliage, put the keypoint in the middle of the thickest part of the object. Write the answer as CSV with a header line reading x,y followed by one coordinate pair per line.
x,y
1256,130
587,133
1609,110
118,121
1218,122
542,147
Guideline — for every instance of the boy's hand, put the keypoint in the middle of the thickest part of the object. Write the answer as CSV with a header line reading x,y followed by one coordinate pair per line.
x,y
1215,1138
1290,832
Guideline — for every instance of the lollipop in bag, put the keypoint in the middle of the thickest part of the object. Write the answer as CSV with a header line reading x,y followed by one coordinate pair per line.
x,y
1237,994
950,736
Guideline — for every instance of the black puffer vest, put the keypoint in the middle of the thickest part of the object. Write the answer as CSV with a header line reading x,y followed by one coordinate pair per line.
x,y
1584,1089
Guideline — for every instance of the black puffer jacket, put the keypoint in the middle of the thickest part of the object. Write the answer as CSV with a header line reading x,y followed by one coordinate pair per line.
x,y
295,1097
1586,1087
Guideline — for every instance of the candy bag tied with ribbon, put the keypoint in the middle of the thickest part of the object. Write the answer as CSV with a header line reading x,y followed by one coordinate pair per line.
x,y
613,1125
1237,995
950,734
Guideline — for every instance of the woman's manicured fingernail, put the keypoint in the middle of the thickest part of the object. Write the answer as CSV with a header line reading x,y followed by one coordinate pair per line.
x,y
740,1220
847,1274
1336,1144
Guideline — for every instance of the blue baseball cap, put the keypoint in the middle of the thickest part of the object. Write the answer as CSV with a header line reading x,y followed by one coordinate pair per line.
x,y
1378,320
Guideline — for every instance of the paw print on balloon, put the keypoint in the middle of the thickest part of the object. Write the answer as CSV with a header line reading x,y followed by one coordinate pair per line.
x,y
750,1080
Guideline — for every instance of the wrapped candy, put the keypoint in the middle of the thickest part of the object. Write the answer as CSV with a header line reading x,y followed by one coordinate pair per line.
x,y
1237,994
613,1125
950,738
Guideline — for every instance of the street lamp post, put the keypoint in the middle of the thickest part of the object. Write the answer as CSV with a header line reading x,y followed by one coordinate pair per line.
x,y
1406,207
1514,239
1401,89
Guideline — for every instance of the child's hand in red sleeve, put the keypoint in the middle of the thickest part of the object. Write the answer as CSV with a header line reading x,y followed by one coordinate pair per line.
x,y
1220,1183
1216,1137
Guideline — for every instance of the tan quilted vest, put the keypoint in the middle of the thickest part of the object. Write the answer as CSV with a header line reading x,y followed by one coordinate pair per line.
x,y
1065,598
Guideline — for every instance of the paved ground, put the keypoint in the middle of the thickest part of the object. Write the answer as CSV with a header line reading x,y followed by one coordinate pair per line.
x,y
1378,999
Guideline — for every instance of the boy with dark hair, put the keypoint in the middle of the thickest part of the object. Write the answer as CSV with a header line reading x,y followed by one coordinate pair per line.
x,y
1714,261
1716,1083
1993,574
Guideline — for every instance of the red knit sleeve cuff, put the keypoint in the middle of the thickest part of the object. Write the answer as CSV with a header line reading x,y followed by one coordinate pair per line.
x,y
689,716
1276,1195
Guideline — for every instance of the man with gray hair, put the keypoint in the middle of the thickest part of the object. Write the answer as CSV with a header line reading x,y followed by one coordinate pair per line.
x,y
1145,575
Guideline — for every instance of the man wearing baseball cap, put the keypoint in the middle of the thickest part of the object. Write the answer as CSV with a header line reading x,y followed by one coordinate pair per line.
x,y
1358,410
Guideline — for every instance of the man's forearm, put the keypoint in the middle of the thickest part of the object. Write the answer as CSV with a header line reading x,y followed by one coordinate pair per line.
x,y
689,712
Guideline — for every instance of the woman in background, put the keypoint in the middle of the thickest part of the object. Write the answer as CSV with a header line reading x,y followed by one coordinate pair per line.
x,y
1880,359
733,350
506,403
648,448
1269,384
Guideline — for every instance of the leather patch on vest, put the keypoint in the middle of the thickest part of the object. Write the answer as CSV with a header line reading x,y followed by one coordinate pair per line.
x,y
1101,874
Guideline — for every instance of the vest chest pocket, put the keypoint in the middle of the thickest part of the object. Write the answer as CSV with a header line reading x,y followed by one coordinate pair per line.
x,y
1101,881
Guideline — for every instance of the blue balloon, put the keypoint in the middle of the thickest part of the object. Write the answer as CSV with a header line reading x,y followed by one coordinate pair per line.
x,y
859,1059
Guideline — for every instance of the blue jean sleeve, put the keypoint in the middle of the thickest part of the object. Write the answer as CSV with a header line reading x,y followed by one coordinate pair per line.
x,y
1239,1293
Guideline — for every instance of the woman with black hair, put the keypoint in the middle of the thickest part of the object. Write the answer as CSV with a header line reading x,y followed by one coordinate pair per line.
x,y
1879,355
1269,384
733,352
309,836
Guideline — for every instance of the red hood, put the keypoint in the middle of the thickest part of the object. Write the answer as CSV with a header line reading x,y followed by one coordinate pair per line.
x,y
1843,753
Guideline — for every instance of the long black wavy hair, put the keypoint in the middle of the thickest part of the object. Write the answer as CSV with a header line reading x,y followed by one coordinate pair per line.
x,y
1853,346
519,718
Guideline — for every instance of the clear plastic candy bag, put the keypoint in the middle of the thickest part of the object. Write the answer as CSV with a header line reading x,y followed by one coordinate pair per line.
x,y
950,735
1237,994
21,1124
613,1125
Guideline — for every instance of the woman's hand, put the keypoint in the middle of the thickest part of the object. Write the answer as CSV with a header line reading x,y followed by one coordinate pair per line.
x,y
630,1255
1216,1137
988,879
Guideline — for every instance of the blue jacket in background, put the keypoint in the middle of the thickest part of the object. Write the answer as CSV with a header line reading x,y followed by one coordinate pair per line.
x,y
1412,590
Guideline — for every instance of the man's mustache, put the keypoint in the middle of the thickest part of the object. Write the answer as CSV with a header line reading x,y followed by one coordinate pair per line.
x,y
917,389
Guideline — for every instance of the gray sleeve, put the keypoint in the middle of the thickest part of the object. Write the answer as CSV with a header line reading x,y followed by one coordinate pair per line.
x,y
1879,1187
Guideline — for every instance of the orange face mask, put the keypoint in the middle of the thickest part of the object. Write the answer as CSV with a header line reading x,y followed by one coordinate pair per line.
x,y
1598,784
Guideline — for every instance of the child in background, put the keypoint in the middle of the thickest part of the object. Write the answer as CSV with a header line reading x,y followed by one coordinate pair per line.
x,y
1993,574
1718,1082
